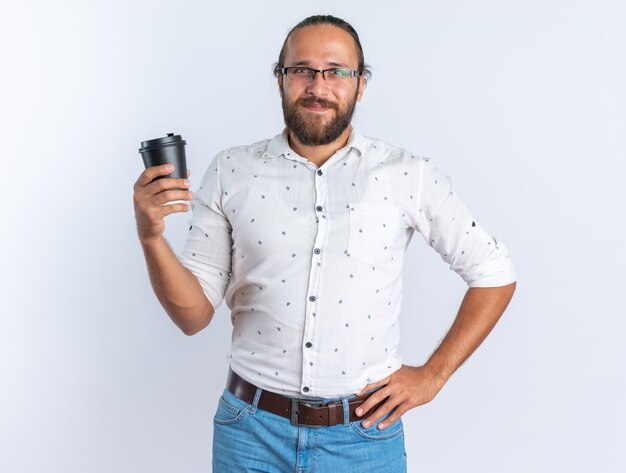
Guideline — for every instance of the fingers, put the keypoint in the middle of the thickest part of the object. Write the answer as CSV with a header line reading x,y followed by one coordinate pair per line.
x,y
169,209
148,175
395,415
169,195
373,400
384,408
166,183
151,190
371,386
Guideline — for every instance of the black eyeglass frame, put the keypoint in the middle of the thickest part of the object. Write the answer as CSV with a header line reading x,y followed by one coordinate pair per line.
x,y
353,73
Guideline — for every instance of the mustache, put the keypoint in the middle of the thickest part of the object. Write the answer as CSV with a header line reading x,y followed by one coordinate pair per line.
x,y
312,101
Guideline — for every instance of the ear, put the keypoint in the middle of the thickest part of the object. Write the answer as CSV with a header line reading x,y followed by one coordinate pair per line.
x,y
362,85
279,82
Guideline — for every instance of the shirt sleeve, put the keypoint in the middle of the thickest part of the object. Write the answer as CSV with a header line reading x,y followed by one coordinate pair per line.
x,y
450,228
208,247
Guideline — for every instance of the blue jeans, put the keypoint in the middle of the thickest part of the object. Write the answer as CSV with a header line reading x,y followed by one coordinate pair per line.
x,y
248,439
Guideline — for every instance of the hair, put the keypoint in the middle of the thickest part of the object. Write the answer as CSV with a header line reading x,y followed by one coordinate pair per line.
x,y
363,68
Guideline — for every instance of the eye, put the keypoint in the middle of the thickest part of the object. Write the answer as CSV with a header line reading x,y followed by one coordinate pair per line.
x,y
301,71
339,72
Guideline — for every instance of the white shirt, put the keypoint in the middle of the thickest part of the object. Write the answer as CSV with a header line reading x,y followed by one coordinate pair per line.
x,y
309,260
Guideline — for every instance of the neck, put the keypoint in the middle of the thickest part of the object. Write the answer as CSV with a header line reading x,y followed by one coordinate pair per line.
x,y
319,154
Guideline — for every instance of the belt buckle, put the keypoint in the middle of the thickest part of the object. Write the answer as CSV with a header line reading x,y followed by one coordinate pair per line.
x,y
294,411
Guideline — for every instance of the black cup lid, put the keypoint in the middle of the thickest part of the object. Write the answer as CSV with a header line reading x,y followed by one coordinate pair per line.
x,y
169,140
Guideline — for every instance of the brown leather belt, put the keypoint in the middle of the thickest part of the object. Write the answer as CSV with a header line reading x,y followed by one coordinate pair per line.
x,y
300,411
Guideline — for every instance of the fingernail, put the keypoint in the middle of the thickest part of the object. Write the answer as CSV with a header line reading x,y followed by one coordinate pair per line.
x,y
366,424
169,167
359,411
187,183
381,426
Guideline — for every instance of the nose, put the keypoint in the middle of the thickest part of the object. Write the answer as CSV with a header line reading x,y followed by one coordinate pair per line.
x,y
317,85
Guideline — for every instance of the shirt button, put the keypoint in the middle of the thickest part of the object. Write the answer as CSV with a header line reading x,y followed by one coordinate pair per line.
x,y
316,251
312,298
305,389
308,344
319,172
319,208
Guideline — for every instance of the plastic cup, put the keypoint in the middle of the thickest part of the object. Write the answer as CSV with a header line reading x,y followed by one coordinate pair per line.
x,y
167,150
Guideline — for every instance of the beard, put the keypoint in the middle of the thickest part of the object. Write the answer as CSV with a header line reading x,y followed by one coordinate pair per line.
x,y
313,129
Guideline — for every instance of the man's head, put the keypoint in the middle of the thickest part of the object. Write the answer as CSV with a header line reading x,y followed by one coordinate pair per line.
x,y
318,110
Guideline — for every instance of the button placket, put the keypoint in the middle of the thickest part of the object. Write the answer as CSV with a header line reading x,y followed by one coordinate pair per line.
x,y
312,305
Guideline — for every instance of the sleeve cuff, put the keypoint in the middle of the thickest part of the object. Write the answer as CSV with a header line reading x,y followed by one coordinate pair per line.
x,y
500,272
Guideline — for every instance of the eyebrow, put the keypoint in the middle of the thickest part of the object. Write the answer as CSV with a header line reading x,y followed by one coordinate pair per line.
x,y
331,63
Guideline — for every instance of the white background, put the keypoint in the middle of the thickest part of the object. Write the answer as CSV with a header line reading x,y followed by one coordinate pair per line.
x,y
520,102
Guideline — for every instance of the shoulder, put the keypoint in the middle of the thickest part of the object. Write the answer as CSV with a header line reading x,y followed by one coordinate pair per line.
x,y
391,153
252,150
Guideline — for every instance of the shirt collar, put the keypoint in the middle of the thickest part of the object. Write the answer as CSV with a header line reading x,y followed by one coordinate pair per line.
x,y
279,145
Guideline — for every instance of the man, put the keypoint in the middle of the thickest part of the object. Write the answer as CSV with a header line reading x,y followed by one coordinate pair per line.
x,y
304,236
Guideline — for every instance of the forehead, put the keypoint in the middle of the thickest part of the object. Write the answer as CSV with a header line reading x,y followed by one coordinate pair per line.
x,y
321,45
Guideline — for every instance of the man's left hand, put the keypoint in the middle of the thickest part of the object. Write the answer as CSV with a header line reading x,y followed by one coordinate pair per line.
x,y
406,388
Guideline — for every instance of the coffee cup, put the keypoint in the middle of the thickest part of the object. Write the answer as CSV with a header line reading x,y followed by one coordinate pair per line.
x,y
169,149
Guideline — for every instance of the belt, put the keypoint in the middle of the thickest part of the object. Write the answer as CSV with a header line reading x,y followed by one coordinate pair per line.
x,y
299,411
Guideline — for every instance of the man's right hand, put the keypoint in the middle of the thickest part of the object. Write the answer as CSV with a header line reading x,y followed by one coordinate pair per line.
x,y
148,197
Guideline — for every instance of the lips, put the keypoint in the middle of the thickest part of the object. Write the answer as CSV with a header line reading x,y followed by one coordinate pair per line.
x,y
316,106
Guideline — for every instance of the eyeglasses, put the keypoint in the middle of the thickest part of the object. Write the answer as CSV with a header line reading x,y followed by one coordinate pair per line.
x,y
306,74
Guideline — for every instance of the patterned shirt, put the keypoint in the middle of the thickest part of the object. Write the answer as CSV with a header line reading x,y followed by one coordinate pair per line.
x,y
310,259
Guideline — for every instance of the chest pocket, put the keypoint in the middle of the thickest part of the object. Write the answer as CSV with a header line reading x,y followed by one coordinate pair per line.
x,y
372,230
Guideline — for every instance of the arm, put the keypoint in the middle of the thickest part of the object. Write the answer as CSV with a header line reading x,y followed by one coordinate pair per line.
x,y
484,263
177,289
480,310
451,229
412,386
